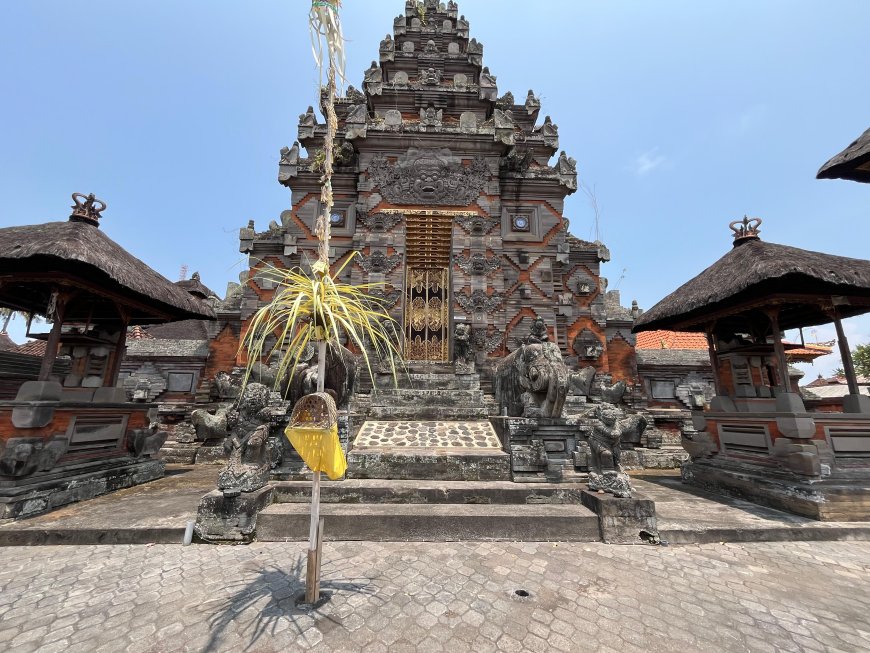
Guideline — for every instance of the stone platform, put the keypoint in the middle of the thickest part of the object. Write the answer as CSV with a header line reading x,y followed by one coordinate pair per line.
x,y
466,435
428,450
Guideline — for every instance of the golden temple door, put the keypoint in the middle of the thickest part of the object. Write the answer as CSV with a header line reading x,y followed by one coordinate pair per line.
x,y
427,288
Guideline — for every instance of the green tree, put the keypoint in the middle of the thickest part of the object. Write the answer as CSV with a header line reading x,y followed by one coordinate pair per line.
x,y
861,359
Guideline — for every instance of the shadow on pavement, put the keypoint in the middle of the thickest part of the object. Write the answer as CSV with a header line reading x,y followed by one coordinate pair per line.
x,y
275,595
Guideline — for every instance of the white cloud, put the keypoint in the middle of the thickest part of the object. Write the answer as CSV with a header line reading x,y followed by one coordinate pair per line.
x,y
648,161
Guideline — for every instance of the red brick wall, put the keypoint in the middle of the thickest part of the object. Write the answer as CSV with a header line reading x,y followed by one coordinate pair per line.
x,y
622,360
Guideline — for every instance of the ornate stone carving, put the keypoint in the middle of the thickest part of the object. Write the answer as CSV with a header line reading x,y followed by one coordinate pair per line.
x,y
430,77
87,208
506,101
609,424
533,104
378,262
532,381
387,49
374,74
381,222
288,167
429,176
246,445
477,225
463,347
307,123
479,301
478,264
587,345
474,50
538,333
385,299
567,169
430,117
24,456
488,340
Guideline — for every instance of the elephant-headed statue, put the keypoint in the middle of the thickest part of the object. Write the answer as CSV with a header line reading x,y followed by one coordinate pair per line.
x,y
532,381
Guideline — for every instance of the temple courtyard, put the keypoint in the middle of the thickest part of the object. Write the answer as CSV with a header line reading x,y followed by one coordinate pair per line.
x,y
468,596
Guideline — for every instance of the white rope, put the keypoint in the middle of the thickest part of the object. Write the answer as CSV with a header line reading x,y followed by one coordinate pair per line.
x,y
325,31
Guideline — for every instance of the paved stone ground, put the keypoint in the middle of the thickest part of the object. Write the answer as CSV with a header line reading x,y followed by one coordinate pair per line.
x,y
478,435
433,597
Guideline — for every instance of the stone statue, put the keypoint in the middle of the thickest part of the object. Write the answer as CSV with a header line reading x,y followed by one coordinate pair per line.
x,y
532,381
246,444
341,372
538,333
462,350
609,424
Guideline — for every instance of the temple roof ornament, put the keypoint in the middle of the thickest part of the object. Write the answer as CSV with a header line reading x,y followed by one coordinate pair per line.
x,y
745,229
87,208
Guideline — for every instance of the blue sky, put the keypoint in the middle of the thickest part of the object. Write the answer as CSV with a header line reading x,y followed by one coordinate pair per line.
x,y
682,115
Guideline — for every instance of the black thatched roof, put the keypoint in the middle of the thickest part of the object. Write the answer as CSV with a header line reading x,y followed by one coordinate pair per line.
x,y
852,163
196,287
756,273
33,257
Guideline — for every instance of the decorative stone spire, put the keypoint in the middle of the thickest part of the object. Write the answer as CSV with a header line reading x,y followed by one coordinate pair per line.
x,y
745,230
87,209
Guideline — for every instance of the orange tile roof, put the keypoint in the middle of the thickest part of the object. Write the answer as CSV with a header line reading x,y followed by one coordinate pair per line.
x,y
32,348
670,340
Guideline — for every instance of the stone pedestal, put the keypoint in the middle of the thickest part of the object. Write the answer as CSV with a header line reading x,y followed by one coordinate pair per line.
x,y
231,517
623,521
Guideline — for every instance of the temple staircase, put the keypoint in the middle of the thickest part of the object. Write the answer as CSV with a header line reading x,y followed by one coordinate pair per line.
x,y
431,425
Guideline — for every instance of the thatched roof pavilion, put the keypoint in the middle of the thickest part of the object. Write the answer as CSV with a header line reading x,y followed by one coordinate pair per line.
x,y
35,258
755,273
760,289
852,163
73,273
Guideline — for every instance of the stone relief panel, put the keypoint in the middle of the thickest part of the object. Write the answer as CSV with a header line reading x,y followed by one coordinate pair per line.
x,y
587,345
487,340
479,301
478,264
429,176
378,262
477,225
381,222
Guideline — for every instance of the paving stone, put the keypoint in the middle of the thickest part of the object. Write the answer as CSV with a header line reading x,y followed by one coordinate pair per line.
x,y
444,596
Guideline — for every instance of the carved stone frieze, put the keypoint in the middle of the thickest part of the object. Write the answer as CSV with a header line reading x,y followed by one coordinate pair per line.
x,y
479,301
378,262
478,264
386,299
477,225
429,176
381,222
487,340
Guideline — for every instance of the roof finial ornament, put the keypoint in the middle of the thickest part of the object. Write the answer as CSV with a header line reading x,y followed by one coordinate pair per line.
x,y
745,229
87,209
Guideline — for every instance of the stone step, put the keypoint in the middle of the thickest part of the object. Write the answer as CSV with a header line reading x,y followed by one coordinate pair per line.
x,y
431,382
426,394
282,522
424,463
439,492
418,412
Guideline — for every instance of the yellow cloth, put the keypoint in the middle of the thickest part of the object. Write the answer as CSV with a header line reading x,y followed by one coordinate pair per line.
x,y
319,448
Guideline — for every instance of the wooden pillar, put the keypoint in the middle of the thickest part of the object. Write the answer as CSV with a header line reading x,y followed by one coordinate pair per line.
x,y
53,344
779,350
846,355
114,367
714,359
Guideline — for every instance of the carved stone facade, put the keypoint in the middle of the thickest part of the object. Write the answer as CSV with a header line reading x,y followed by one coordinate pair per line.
x,y
442,174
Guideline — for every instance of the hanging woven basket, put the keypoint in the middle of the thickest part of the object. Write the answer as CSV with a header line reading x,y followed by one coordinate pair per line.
x,y
314,411
313,432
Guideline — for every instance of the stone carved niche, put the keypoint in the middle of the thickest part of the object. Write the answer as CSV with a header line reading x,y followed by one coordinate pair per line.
x,y
378,262
479,301
385,299
381,222
478,264
487,340
429,176
477,225
588,346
